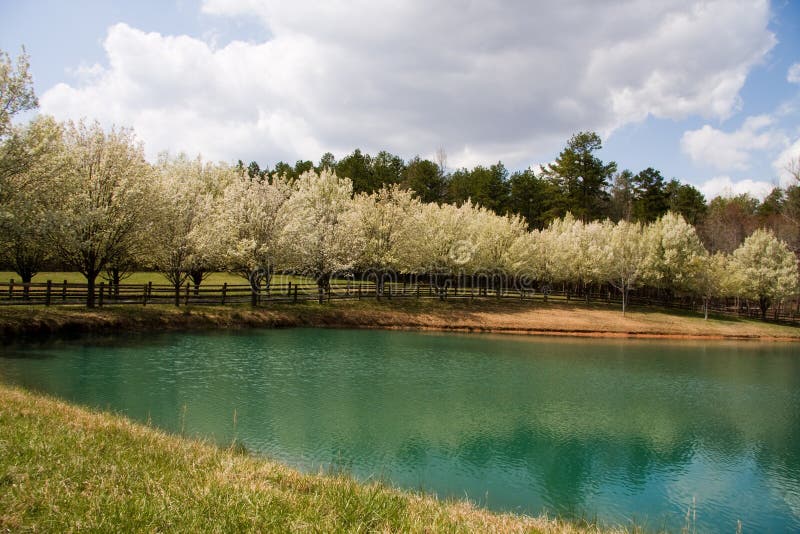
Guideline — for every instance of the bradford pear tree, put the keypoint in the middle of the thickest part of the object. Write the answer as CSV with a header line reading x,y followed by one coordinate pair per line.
x,y
383,220
244,228
105,200
495,237
28,197
537,257
768,268
672,245
621,258
582,241
16,89
445,243
183,205
712,276
320,233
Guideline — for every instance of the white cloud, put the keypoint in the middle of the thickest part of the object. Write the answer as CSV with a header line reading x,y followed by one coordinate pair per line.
x,y
482,80
793,75
724,186
731,150
787,163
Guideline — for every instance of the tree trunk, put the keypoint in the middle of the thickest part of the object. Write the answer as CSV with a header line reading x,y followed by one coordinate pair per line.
x,y
705,308
26,276
763,303
624,298
177,286
197,278
116,278
378,285
90,282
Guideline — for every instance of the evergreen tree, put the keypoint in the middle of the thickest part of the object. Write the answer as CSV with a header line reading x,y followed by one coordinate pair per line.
x,y
581,177
531,197
425,178
486,186
650,197
686,200
358,167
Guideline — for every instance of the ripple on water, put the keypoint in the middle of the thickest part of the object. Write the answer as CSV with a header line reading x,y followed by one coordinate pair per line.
x,y
584,428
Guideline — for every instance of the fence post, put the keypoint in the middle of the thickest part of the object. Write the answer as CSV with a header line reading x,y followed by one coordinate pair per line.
x,y
47,294
186,300
289,291
417,289
102,288
64,292
150,290
144,294
224,291
11,288
359,291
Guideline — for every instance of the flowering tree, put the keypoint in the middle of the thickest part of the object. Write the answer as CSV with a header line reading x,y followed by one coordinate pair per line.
x,y
712,276
383,220
768,268
573,250
320,232
445,242
16,89
244,227
586,242
106,200
183,206
622,257
26,196
495,237
672,249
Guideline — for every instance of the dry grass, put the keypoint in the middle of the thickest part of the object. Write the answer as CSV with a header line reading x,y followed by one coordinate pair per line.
x,y
507,316
64,469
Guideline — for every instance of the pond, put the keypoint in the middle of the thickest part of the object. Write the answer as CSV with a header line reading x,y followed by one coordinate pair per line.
x,y
617,430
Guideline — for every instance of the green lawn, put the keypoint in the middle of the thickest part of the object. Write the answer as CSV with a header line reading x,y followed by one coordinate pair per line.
x,y
67,469
143,277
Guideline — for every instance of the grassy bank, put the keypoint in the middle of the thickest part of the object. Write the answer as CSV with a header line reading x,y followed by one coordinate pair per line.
x,y
507,316
64,468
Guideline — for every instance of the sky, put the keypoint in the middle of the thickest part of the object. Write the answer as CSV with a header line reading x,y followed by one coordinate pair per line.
x,y
707,92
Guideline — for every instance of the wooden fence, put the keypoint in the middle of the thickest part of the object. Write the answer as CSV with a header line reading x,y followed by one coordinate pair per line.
x,y
53,293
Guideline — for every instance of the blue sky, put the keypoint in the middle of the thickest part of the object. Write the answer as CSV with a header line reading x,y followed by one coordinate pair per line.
x,y
698,90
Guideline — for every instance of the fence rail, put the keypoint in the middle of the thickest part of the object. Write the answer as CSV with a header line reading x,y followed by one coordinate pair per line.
x,y
52,293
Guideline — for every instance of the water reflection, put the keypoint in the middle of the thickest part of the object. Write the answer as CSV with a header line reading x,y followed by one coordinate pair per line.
x,y
592,428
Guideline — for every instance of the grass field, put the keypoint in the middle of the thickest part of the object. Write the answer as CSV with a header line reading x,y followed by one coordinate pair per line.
x,y
143,277
64,468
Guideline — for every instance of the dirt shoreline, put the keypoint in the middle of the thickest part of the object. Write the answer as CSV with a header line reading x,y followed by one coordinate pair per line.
x,y
582,333
563,320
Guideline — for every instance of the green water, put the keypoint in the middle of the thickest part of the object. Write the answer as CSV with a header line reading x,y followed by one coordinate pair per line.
x,y
616,430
